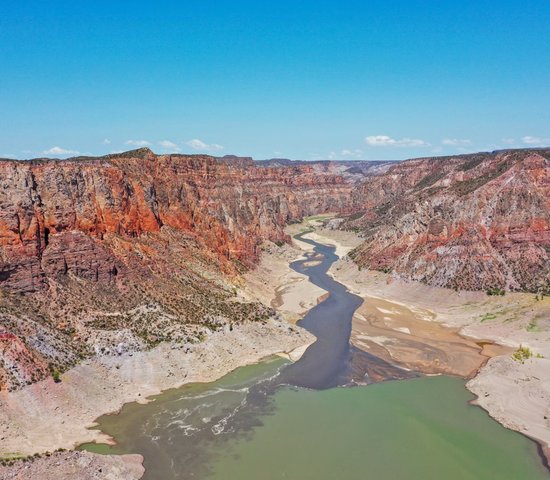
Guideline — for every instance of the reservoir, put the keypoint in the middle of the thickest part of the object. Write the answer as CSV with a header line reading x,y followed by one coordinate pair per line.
x,y
323,417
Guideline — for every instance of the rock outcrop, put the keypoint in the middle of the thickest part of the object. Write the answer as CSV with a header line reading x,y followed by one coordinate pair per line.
x,y
470,222
116,253
75,465
56,215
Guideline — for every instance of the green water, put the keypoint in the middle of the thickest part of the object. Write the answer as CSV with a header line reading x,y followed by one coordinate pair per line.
x,y
412,429
415,429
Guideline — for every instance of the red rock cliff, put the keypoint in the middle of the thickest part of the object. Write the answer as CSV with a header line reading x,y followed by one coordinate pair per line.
x,y
55,215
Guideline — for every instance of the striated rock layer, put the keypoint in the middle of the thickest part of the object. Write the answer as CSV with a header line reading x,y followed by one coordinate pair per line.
x,y
116,253
472,222
55,216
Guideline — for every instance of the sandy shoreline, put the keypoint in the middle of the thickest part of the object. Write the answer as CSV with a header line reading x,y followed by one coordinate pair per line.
x,y
274,283
515,394
46,416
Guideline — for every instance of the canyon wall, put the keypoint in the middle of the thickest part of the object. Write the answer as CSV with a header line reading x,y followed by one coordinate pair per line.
x,y
117,253
479,221
56,215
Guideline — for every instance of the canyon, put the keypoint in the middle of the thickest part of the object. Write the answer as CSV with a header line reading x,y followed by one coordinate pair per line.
x,y
147,270
106,255
119,253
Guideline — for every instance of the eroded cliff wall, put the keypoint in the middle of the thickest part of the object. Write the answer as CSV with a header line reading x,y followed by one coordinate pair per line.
x,y
56,215
468,222
105,255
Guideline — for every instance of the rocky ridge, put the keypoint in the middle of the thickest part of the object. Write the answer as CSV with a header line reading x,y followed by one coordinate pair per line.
x,y
472,222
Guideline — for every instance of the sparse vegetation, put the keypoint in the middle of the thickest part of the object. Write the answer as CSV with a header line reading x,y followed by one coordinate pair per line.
x,y
488,316
176,300
382,209
533,326
470,185
355,216
496,291
10,460
321,217
522,354
430,179
470,164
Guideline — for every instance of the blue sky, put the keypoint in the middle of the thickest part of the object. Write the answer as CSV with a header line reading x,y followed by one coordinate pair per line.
x,y
297,79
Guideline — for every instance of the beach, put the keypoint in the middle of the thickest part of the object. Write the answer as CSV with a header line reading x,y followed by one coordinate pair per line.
x,y
274,283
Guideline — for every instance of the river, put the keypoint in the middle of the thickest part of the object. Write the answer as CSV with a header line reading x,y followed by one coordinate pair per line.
x,y
277,420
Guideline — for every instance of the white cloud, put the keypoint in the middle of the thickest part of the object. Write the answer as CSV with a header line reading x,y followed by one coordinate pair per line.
x,y
59,151
386,141
7,155
197,144
456,142
538,141
138,143
343,154
509,141
355,153
168,145
106,141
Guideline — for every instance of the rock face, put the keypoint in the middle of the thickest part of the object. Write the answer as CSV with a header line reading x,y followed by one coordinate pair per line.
x,y
467,222
55,215
117,253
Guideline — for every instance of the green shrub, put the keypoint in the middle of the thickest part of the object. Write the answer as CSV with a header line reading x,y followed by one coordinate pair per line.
x,y
488,316
522,354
